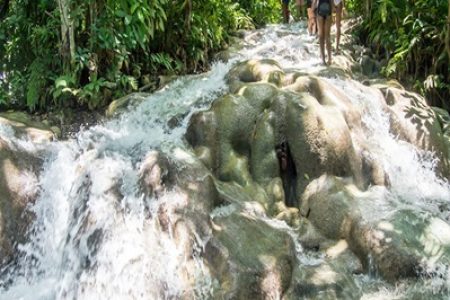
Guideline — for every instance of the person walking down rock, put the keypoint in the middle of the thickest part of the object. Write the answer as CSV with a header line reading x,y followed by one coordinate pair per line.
x,y
324,9
285,10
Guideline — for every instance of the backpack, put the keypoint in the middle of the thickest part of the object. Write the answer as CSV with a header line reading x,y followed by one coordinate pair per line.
x,y
324,9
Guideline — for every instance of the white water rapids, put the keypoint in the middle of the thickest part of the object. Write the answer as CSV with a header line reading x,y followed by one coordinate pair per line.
x,y
132,259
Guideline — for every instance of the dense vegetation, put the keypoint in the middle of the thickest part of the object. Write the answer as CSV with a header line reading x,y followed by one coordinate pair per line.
x,y
71,53
83,53
413,38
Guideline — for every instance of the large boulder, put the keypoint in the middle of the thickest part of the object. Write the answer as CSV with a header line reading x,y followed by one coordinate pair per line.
x,y
298,138
332,278
414,121
401,244
251,259
265,134
245,256
24,127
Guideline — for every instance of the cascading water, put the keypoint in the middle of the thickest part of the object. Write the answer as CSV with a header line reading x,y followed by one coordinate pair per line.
x,y
95,236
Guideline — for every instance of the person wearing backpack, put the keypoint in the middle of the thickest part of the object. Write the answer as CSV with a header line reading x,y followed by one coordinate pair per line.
x,y
323,9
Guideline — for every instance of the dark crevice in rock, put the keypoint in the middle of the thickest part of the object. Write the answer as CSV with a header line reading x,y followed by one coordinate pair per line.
x,y
288,173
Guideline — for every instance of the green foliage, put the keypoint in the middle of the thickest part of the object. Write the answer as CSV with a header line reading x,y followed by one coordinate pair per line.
x,y
110,46
262,11
411,35
36,85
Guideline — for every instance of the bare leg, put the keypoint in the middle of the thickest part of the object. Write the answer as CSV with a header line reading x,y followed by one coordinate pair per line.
x,y
339,9
309,21
312,26
321,26
326,31
315,29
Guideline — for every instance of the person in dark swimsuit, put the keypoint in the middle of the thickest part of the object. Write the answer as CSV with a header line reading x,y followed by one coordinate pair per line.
x,y
285,10
324,9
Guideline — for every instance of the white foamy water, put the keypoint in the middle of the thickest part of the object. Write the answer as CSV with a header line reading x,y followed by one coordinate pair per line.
x,y
94,237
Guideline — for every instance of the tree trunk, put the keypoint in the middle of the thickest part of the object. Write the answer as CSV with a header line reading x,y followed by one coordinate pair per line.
x,y
187,29
188,15
67,36
368,5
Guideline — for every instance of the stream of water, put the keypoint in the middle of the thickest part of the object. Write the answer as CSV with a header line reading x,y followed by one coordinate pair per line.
x,y
76,207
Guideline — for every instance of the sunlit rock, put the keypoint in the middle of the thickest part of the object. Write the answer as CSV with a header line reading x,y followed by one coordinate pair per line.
x,y
120,105
414,121
330,207
251,259
331,279
240,138
24,127
18,188
265,70
19,169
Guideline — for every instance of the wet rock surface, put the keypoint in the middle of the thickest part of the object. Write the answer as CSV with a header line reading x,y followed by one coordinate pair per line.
x,y
19,170
268,123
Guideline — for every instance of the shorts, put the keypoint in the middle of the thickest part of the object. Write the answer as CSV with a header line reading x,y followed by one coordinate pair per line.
x,y
337,2
285,1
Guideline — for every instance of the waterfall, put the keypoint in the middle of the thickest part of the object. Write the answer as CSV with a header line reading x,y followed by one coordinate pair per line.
x,y
95,235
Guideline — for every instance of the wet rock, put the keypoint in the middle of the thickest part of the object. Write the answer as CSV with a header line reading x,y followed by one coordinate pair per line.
x,y
19,170
265,70
328,205
18,188
326,280
251,259
25,127
369,66
237,138
119,105
398,246
414,121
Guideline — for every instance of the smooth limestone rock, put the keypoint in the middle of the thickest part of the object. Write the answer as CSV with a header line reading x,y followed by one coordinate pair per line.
x,y
265,70
239,140
414,121
26,128
331,279
251,259
19,170
119,105
238,137
245,256
404,244
18,188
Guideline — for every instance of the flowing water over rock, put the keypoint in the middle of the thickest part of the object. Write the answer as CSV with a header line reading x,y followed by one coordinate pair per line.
x,y
268,177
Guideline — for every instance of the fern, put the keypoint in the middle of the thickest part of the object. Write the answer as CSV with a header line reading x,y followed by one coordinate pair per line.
x,y
36,85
